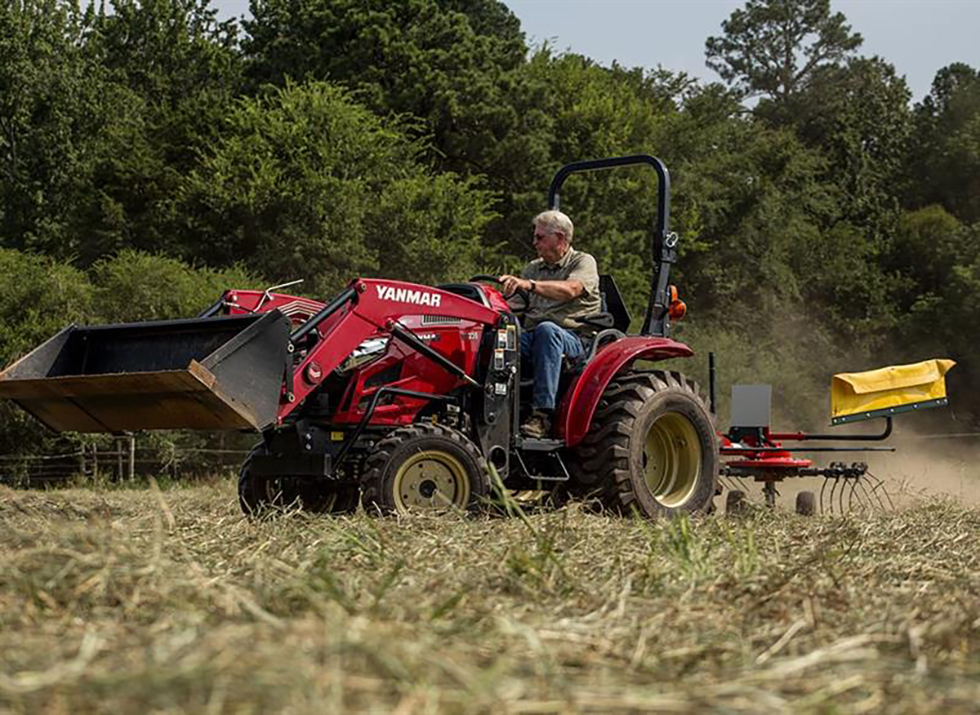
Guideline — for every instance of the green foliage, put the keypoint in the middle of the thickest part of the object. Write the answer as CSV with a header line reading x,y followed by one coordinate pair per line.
x,y
455,65
181,69
740,182
53,105
938,259
854,118
40,297
101,114
773,48
306,183
133,286
167,50
858,116
944,165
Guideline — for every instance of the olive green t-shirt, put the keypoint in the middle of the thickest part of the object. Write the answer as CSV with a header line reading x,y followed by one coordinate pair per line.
x,y
574,265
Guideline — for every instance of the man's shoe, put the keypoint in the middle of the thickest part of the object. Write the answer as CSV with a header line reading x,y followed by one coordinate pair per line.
x,y
538,426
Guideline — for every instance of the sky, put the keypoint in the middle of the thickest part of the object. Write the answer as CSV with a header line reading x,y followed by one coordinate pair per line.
x,y
917,36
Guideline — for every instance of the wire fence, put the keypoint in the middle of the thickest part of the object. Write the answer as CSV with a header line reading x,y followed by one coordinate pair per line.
x,y
125,460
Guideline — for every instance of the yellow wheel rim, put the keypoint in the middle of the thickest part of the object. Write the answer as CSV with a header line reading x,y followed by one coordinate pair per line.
x,y
431,480
672,460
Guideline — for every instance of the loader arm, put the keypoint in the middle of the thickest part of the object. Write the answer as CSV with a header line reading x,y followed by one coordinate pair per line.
x,y
367,307
248,369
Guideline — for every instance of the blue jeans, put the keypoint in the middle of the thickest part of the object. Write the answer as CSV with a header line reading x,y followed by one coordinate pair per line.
x,y
545,346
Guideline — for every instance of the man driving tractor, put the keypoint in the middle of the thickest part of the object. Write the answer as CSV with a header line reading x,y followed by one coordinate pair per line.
x,y
562,284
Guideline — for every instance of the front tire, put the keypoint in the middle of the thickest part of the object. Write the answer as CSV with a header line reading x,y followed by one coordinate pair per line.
x,y
258,494
425,467
652,446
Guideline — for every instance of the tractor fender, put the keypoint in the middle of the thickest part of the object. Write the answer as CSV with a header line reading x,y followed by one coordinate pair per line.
x,y
580,401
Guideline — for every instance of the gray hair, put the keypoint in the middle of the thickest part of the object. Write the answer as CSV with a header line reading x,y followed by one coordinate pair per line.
x,y
555,221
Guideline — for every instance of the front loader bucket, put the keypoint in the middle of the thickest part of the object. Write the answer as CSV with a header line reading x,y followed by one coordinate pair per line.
x,y
209,373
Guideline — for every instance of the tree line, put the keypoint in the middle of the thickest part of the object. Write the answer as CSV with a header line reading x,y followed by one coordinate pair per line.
x,y
151,155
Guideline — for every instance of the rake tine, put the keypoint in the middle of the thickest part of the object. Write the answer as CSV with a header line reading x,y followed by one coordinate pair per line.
x,y
869,494
873,493
823,488
840,498
880,485
884,490
854,494
833,491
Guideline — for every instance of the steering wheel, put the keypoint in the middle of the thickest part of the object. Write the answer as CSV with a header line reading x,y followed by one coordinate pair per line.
x,y
520,292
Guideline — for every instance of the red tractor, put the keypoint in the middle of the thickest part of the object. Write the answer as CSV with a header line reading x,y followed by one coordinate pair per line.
x,y
399,395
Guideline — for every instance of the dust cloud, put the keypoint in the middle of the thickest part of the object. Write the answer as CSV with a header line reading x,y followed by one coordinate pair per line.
x,y
925,467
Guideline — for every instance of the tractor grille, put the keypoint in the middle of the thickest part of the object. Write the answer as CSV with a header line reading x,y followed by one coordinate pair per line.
x,y
440,320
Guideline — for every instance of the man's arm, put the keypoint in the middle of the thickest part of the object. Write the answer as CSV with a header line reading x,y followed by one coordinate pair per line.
x,y
560,291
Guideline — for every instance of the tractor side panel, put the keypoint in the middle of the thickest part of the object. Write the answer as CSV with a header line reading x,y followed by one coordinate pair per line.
x,y
580,401
402,367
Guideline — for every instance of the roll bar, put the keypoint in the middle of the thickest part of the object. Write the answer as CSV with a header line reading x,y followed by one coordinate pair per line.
x,y
664,243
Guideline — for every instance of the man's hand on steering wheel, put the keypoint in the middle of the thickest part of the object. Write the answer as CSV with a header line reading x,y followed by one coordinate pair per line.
x,y
517,288
513,284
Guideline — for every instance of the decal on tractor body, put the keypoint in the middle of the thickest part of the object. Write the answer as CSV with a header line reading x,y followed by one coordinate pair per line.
x,y
406,295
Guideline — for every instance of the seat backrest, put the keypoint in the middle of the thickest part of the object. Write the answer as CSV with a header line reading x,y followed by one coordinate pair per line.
x,y
612,303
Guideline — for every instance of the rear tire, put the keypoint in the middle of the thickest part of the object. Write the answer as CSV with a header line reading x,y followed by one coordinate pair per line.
x,y
652,446
258,494
425,467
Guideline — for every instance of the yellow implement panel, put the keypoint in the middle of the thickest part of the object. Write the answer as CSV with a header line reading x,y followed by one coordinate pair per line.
x,y
889,390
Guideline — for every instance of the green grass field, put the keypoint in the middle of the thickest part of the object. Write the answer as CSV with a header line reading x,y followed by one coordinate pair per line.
x,y
170,601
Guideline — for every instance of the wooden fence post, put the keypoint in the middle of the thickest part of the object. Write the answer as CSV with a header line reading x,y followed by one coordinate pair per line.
x,y
132,457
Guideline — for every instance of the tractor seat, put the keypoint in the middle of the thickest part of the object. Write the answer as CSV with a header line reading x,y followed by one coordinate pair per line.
x,y
613,312
612,321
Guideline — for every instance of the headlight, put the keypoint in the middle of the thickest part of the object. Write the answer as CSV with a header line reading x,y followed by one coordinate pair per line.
x,y
371,349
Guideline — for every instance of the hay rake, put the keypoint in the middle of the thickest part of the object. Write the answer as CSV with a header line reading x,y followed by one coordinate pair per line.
x,y
751,449
852,489
846,488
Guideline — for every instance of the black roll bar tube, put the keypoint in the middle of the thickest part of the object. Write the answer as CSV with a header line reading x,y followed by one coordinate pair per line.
x,y
664,243
711,383
805,436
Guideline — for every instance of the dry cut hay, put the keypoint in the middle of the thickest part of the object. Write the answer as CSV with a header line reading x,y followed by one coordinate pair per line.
x,y
148,601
